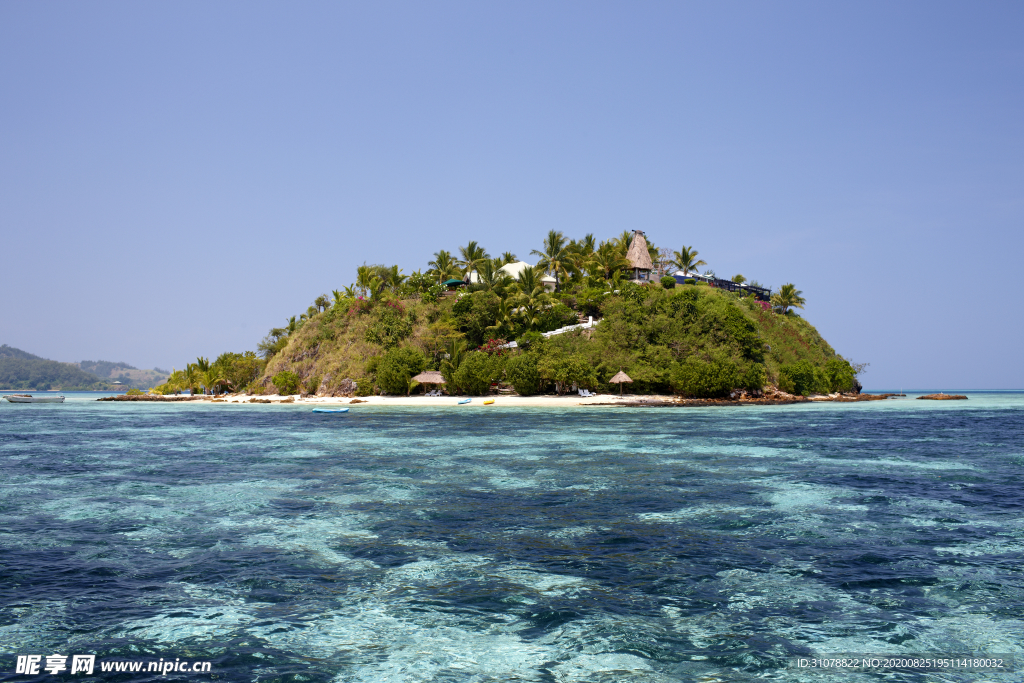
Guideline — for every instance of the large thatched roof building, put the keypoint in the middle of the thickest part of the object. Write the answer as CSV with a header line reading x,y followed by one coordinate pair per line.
x,y
639,258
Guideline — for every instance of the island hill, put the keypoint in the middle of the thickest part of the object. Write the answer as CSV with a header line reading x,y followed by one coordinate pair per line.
x,y
573,321
20,370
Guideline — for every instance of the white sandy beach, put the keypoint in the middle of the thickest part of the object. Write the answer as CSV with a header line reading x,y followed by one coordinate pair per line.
x,y
441,401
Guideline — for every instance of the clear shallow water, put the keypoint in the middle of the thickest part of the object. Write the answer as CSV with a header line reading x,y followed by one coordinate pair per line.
x,y
496,545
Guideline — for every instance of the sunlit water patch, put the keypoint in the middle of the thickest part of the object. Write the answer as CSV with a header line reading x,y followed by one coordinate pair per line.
x,y
498,545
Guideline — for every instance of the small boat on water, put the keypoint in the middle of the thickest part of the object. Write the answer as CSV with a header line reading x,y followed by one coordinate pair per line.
x,y
465,400
489,401
330,410
29,398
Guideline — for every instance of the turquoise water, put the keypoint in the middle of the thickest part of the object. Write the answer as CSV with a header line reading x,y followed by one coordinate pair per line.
x,y
472,544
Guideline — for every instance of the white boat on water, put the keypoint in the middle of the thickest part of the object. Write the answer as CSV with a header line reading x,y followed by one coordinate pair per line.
x,y
29,398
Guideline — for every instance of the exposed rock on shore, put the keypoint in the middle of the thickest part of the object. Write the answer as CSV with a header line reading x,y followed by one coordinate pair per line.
x,y
942,397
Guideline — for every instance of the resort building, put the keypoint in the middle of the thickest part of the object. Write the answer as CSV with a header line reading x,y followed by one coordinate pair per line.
x,y
514,269
639,259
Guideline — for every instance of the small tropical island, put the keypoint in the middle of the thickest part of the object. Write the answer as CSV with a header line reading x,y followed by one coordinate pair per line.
x,y
617,317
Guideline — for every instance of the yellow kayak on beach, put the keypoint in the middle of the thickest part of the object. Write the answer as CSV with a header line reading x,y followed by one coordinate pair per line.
x,y
488,401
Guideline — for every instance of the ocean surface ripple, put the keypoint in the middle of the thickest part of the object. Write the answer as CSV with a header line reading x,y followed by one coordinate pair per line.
x,y
457,544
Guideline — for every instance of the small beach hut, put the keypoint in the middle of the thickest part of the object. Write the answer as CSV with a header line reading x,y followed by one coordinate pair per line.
x,y
639,259
429,377
620,379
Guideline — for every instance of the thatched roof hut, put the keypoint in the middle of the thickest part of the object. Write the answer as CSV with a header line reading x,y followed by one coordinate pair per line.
x,y
639,258
429,377
620,378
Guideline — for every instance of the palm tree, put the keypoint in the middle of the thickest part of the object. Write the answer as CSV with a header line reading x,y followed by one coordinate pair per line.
x,y
553,258
363,275
338,296
686,259
491,275
504,318
624,240
393,278
528,280
787,297
376,287
444,265
739,279
456,354
211,378
472,256
532,298
322,303
507,257
587,245
606,260
191,377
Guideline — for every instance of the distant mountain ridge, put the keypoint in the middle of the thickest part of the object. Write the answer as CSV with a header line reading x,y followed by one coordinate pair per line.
x,y
26,371
11,352
124,373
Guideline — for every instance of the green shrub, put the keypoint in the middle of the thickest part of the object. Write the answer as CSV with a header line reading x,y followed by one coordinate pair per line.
x,y
557,316
689,281
668,282
521,372
574,370
755,377
312,384
839,374
287,383
364,387
396,367
704,379
389,325
135,392
529,340
802,378
476,372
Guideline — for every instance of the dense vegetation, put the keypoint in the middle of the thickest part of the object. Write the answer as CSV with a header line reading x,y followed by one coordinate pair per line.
x,y
690,339
25,371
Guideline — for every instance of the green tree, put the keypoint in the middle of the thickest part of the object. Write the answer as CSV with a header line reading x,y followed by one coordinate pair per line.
x,y
686,259
787,297
472,256
739,279
803,378
476,372
553,256
574,370
507,257
522,373
456,353
839,374
532,299
443,266
606,261
397,367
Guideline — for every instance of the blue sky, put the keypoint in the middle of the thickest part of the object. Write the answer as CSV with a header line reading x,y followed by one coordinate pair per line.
x,y
177,178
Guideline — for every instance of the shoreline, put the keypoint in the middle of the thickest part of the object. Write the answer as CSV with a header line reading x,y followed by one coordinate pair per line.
x,y
544,401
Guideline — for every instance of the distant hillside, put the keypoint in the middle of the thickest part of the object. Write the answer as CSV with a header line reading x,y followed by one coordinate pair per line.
x,y
124,373
11,352
23,370
36,374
